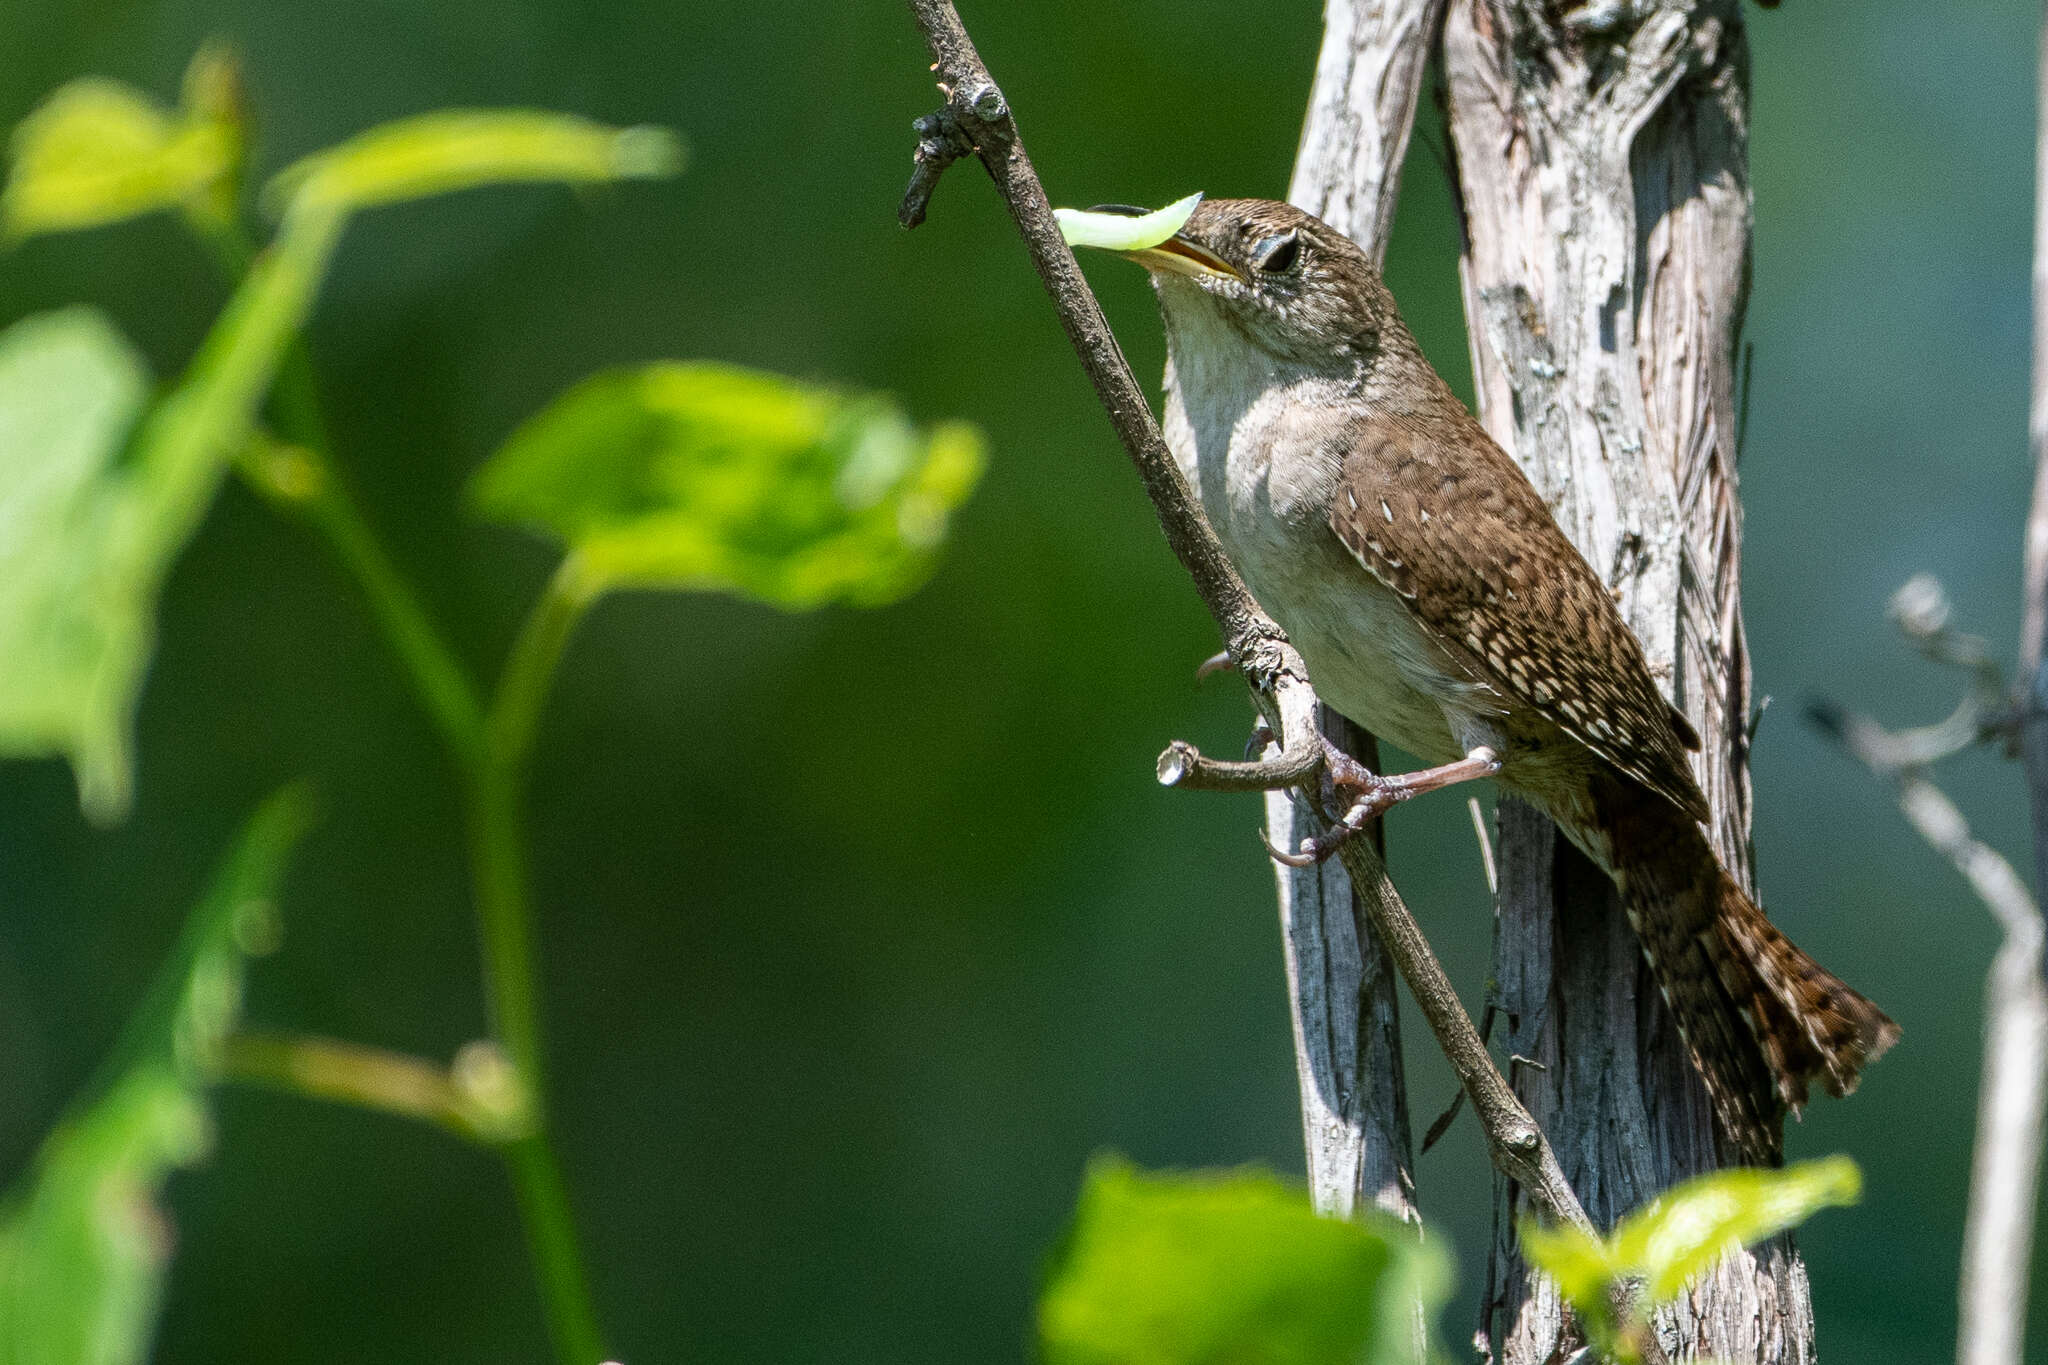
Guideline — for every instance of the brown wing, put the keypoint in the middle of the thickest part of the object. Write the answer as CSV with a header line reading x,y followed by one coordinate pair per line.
x,y
1439,513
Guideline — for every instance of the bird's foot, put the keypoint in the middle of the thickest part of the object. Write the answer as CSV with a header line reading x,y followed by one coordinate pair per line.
x,y
1364,795
1352,788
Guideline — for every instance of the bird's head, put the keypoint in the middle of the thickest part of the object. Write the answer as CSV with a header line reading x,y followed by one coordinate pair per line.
x,y
1283,280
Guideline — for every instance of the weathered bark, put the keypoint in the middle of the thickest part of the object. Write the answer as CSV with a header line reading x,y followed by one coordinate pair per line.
x,y
1347,1037
1347,1022
1603,166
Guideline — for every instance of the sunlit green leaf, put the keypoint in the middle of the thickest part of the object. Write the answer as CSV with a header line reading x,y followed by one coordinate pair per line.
x,y
75,603
212,97
85,538
715,478
1125,231
1688,1228
1180,1269
459,148
83,1244
98,151
1680,1234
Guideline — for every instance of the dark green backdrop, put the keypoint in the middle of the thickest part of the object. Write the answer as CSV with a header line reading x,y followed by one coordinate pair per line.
x,y
863,931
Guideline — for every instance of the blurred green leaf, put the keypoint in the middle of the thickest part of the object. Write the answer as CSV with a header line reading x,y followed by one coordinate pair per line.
x,y
1180,1269
458,149
74,609
1682,1232
86,538
1688,1228
98,151
83,1244
713,478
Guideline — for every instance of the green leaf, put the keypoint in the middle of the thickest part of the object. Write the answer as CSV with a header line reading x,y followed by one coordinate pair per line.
x,y
75,602
712,478
85,538
98,151
1683,1232
1180,1269
1686,1229
83,1244
457,149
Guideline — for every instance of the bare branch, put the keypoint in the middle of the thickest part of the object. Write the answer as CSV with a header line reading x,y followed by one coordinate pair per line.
x,y
1998,1237
1361,112
1183,765
2033,675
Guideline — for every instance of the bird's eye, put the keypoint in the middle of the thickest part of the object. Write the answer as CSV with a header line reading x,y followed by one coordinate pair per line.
x,y
1277,255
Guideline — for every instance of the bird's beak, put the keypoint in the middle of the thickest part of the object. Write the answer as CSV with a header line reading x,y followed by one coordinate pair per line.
x,y
1179,255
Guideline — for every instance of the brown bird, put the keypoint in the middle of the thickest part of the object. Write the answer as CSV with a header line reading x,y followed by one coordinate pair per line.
x,y
1436,603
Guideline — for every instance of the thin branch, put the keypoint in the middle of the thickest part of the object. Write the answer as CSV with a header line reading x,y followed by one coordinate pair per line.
x,y
979,112
1183,765
1257,645
1998,1237
2033,674
1512,1137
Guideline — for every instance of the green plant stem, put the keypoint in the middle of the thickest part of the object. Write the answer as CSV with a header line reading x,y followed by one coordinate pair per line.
x,y
438,680
530,669
558,1256
350,1073
505,916
490,756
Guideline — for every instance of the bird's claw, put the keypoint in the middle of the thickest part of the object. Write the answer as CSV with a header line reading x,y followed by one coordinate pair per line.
x,y
1371,797
1261,739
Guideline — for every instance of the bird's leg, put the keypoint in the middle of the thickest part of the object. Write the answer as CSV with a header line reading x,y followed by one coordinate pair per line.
x,y
1372,795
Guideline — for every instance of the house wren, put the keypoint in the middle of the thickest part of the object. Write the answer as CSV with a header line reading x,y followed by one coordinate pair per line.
x,y
1436,603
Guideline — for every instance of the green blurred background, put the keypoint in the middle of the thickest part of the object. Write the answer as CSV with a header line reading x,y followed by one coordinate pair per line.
x,y
862,931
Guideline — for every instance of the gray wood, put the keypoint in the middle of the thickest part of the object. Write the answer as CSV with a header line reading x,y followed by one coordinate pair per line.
x,y
1603,163
1341,992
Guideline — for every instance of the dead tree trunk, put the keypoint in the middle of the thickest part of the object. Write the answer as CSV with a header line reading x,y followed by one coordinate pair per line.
x,y
1347,1036
1602,160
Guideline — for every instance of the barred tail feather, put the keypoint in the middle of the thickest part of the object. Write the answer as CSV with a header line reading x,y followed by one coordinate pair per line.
x,y
1761,1018
1814,1027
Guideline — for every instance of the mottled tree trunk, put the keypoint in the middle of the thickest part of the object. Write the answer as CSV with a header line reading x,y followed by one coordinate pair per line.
x,y
1347,1034
1602,161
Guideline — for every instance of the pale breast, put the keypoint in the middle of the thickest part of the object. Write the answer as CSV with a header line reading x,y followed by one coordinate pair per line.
x,y
1265,474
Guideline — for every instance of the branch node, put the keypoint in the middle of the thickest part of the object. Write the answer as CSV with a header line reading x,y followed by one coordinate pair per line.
x,y
940,142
